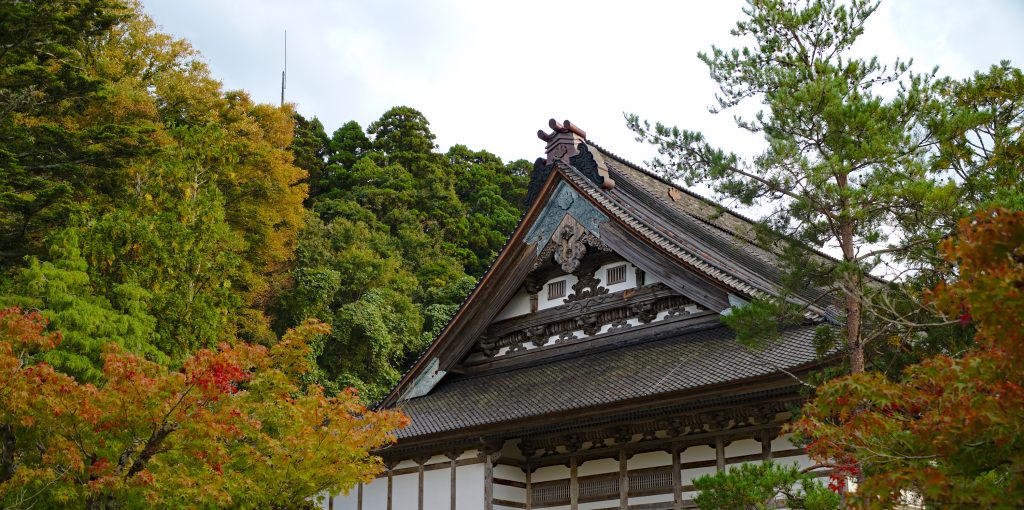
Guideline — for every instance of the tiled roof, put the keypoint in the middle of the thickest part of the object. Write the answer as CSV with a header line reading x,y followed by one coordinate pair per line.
x,y
594,379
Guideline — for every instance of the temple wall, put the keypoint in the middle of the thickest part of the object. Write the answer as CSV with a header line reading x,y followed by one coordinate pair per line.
x,y
509,488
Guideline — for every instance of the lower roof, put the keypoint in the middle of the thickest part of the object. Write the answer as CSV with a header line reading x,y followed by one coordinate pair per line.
x,y
593,380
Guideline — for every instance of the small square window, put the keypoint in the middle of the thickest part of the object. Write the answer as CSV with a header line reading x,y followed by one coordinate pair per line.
x,y
556,290
615,275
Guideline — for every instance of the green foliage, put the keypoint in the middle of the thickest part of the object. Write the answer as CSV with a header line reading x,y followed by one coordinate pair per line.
x,y
980,147
857,157
751,486
399,235
63,290
57,149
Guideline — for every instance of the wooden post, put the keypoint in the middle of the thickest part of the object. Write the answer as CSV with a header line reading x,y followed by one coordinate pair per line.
x,y
529,486
720,453
359,496
574,487
488,481
623,479
677,479
390,486
452,456
420,462
330,501
766,444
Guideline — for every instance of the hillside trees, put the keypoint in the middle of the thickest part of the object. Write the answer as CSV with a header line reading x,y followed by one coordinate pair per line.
x,y
53,156
187,211
399,234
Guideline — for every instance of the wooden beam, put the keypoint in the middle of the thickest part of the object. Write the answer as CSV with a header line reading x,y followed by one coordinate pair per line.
x,y
677,478
623,479
719,453
574,486
654,261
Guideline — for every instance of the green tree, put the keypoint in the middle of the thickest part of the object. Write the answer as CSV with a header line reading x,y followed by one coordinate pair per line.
x,y
58,152
844,156
761,486
979,132
90,323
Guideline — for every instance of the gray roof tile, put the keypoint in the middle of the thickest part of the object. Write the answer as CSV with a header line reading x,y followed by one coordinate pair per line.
x,y
647,369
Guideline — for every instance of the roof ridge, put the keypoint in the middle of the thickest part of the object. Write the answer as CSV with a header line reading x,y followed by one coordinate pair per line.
x,y
706,200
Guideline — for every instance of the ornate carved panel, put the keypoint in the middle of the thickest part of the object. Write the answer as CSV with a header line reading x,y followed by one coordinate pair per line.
x,y
588,315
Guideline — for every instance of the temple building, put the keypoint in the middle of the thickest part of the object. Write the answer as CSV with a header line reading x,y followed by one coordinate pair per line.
x,y
590,368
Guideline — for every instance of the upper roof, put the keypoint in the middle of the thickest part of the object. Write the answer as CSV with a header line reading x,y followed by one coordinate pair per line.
x,y
697,248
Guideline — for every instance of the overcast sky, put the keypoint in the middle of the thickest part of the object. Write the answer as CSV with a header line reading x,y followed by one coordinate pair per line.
x,y
489,74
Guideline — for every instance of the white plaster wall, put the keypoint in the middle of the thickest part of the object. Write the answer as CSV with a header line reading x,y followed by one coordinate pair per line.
x,y
695,454
602,276
517,494
469,487
518,305
742,447
375,495
548,473
509,473
596,467
406,464
657,498
406,491
343,501
649,460
437,489
543,302
598,505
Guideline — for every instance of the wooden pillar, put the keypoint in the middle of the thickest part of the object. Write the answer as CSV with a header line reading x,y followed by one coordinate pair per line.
x,y
390,487
677,478
574,486
359,496
623,479
720,453
452,457
488,481
420,462
529,486
330,501
766,444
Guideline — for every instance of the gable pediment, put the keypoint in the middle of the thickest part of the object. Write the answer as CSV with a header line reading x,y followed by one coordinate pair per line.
x,y
550,289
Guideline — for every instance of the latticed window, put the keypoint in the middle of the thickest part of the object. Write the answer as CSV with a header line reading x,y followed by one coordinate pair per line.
x,y
615,275
556,290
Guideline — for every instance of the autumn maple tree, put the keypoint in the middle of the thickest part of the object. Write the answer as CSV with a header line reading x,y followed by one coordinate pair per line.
x,y
948,433
234,427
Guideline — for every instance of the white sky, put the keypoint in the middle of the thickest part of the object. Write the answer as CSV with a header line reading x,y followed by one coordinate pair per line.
x,y
489,74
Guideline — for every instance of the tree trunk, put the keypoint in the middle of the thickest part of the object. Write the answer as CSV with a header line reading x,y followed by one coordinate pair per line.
x,y
7,463
854,300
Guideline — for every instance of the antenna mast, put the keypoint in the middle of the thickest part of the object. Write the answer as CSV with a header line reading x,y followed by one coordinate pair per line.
x,y
284,73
